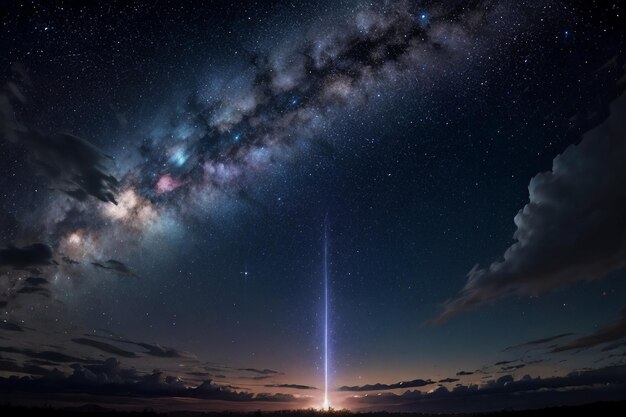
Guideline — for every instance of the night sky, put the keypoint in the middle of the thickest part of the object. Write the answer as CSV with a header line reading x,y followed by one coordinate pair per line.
x,y
167,171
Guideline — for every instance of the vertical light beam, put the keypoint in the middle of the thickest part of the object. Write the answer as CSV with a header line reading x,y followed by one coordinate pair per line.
x,y
326,405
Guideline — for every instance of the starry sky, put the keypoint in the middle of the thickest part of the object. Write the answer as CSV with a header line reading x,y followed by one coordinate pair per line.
x,y
167,170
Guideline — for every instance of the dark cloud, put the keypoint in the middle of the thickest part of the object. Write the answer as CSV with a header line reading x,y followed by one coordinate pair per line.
x,y
37,254
151,349
614,346
161,351
540,341
105,347
610,333
36,281
47,355
110,378
512,367
278,397
260,371
571,230
69,260
27,368
448,380
606,383
381,387
504,362
464,373
293,386
7,325
115,266
34,290
73,165
35,285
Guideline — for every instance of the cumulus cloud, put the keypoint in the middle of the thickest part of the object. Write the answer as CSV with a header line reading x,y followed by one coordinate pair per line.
x,y
610,333
382,387
573,229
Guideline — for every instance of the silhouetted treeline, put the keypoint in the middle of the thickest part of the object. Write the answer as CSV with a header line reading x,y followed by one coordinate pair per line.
x,y
617,408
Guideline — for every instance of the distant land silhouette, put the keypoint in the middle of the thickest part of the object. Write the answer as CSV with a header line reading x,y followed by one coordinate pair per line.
x,y
612,408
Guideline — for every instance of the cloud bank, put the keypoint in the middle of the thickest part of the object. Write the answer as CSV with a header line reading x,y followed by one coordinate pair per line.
x,y
383,387
572,230
505,392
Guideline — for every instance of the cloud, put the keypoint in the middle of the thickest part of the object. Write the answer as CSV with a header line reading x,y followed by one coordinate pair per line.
x,y
115,266
48,355
606,383
7,365
610,333
110,378
7,325
152,349
571,230
36,281
105,347
614,346
34,290
260,371
512,367
448,380
69,261
293,386
35,285
504,362
73,165
464,373
37,254
539,341
161,351
381,387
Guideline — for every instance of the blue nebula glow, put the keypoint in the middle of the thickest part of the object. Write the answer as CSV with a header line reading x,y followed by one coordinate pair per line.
x,y
179,157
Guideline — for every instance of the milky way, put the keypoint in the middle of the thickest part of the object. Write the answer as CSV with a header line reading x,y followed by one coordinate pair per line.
x,y
234,134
